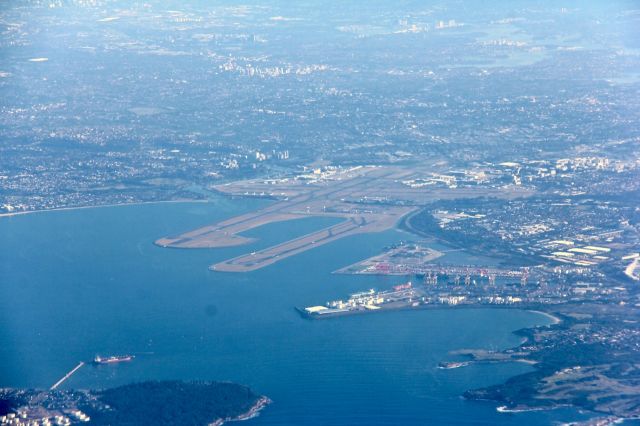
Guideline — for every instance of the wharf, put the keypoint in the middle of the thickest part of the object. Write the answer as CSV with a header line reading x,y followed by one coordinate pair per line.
x,y
66,376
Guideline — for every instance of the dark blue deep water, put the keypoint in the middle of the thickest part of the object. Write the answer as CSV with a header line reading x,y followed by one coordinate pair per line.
x,y
78,283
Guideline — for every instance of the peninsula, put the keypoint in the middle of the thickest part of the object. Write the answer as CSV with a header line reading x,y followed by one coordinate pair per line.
x,y
153,402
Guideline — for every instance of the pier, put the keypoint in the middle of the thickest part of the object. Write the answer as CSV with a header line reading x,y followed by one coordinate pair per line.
x,y
66,376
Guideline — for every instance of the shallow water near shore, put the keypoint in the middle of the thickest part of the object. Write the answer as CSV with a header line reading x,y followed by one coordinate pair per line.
x,y
77,283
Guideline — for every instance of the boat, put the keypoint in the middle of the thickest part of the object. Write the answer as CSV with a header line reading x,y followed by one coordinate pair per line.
x,y
450,365
406,286
112,359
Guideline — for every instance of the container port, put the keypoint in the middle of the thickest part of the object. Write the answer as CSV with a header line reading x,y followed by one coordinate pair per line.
x,y
441,286
398,297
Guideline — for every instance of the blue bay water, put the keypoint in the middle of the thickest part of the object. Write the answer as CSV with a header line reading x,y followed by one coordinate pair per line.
x,y
78,283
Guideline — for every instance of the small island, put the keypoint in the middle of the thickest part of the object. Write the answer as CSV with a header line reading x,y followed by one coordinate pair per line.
x,y
152,402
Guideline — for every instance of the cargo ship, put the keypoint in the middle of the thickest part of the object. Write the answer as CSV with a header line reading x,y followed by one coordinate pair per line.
x,y
112,359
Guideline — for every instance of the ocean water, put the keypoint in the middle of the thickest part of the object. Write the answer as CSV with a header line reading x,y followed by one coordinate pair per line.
x,y
78,283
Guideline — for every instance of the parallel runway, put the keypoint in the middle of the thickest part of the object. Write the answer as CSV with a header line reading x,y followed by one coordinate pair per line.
x,y
370,199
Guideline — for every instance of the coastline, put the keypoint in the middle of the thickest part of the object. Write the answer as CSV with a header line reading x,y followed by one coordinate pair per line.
x,y
525,308
527,409
554,319
137,203
253,412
